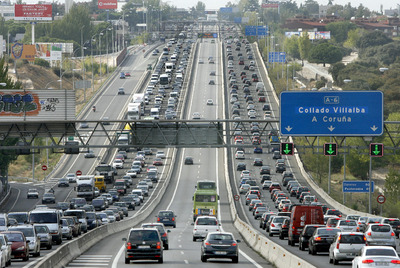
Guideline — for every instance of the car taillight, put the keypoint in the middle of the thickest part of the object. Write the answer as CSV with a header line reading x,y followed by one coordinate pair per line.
x,y
129,246
318,238
158,246
207,243
395,261
393,234
158,219
173,219
369,233
367,261
234,244
164,235
272,225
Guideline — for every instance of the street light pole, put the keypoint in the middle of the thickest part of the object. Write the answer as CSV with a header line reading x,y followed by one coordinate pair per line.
x,y
91,51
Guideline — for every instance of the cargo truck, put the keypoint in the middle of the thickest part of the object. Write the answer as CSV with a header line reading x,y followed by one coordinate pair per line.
x,y
105,170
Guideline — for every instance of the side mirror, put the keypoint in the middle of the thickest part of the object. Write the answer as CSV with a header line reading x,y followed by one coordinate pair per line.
x,y
238,241
28,241
168,231
192,223
123,239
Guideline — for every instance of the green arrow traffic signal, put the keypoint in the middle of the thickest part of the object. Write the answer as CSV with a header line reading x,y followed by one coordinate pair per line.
x,y
287,148
330,149
376,149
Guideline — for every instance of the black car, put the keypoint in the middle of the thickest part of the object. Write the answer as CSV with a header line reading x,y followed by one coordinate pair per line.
x,y
63,205
240,166
280,168
161,229
129,201
167,217
92,220
257,162
322,239
284,229
188,160
265,218
300,190
306,233
265,170
143,244
220,245
99,204
265,177
48,198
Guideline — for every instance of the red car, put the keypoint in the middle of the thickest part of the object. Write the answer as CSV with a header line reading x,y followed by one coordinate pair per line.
x,y
256,141
158,162
19,246
127,74
261,99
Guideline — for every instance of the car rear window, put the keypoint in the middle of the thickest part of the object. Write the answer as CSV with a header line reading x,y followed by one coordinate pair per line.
x,y
347,223
206,221
380,252
278,220
327,231
166,214
143,235
380,228
158,227
221,237
352,239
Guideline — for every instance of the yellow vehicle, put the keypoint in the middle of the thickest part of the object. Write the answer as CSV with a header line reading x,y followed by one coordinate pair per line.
x,y
100,183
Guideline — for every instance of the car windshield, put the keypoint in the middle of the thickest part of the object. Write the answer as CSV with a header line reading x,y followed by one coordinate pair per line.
x,y
380,228
46,217
380,252
310,230
96,202
14,237
28,232
78,214
41,229
347,223
206,221
20,218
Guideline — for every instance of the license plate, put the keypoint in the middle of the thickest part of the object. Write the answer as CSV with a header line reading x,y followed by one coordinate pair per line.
x,y
143,246
382,263
329,240
351,254
220,252
165,219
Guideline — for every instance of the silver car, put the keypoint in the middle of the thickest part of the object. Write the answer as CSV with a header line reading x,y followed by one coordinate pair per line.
x,y
347,225
380,235
275,224
345,246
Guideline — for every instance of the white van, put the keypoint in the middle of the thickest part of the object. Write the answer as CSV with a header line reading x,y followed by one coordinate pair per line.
x,y
203,225
260,86
155,113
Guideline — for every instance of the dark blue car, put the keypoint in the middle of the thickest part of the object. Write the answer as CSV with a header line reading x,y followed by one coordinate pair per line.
x,y
258,150
122,76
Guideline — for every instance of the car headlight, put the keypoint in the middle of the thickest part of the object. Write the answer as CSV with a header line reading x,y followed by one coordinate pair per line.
x,y
21,248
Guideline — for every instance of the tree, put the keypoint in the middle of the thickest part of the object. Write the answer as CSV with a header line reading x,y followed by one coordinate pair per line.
x,y
325,53
6,157
392,186
292,46
200,8
304,47
335,69
339,30
375,38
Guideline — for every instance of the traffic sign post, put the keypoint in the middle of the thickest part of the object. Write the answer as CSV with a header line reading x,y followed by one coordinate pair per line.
x,y
236,197
376,149
286,148
331,113
44,167
381,199
78,173
330,149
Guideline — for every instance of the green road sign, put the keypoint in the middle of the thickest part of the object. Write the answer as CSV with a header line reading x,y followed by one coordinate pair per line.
x,y
376,149
330,149
287,148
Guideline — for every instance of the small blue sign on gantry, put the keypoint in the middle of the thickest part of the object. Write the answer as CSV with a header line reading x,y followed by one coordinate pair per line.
x,y
262,30
276,57
225,10
250,30
357,187
331,113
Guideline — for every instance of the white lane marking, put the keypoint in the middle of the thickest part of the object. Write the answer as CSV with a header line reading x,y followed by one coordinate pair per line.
x,y
250,259
117,257
186,261
16,199
177,183
182,252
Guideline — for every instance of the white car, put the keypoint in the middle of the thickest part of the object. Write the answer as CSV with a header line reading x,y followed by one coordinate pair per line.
x,y
118,163
203,225
71,177
196,115
252,113
239,155
210,102
160,154
32,193
380,256
149,182
131,173
5,250
245,173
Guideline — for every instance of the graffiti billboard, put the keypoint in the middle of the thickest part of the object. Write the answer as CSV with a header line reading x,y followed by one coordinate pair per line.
x,y
33,12
37,105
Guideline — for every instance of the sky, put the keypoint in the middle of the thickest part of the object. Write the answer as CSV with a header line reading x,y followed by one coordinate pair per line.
x,y
216,4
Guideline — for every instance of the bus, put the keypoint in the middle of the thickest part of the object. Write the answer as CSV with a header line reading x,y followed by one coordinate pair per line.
x,y
164,79
205,203
206,185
